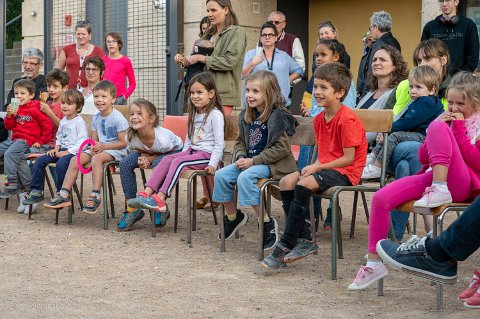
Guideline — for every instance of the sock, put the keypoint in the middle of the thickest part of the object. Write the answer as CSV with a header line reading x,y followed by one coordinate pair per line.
x,y
302,195
442,185
374,263
436,251
95,194
65,193
266,218
287,198
232,217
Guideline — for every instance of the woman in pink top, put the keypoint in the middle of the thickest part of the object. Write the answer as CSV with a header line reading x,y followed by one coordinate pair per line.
x,y
118,67
74,55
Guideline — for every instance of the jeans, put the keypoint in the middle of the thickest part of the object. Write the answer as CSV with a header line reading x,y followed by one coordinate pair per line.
x,y
304,159
462,238
12,153
246,181
404,162
38,176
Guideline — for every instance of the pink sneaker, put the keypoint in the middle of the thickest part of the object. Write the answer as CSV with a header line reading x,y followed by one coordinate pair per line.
x,y
434,196
367,276
472,287
473,301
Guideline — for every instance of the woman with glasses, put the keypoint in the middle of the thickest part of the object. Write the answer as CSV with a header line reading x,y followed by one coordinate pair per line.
x,y
266,57
94,69
118,68
73,56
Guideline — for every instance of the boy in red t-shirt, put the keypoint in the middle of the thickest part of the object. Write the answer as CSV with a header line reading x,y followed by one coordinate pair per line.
x,y
29,126
342,152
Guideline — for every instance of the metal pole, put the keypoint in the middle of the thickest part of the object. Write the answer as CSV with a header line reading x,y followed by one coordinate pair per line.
x,y
47,15
171,49
3,35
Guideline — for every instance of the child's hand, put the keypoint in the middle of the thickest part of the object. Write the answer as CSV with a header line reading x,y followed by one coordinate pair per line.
x,y
62,153
458,116
304,110
143,162
210,169
10,110
446,117
52,153
309,170
379,138
45,108
36,144
98,148
244,163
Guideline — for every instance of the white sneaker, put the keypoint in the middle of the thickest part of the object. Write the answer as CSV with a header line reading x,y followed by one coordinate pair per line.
x,y
434,196
371,157
34,208
371,171
21,198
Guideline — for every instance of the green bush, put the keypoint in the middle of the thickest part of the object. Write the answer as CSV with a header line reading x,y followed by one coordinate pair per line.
x,y
14,31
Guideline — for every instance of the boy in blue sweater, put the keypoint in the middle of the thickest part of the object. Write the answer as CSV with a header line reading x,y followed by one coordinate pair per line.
x,y
410,124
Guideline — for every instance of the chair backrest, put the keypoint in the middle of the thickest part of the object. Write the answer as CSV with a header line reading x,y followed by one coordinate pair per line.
x,y
88,119
375,120
304,134
124,109
178,124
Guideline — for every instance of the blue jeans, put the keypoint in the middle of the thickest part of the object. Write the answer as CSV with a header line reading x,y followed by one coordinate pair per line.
x,y
462,238
404,162
246,181
304,159
38,175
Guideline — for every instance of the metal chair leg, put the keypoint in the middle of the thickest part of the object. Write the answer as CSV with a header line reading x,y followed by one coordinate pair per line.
x,y
175,218
222,230
105,196
57,212
211,201
354,215
152,220
365,206
111,192
260,220
193,203
189,209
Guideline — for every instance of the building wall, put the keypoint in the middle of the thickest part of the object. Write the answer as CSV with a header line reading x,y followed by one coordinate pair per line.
x,y
352,19
32,26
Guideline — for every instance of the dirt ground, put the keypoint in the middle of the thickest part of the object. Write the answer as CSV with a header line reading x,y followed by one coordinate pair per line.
x,y
82,271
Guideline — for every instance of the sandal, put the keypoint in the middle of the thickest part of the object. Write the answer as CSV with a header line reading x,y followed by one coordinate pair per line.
x,y
200,204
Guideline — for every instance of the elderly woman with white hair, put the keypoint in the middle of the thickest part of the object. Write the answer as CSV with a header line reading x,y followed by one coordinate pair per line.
x,y
380,30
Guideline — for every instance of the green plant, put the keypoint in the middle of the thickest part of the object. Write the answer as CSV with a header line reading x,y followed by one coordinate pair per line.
x,y
14,31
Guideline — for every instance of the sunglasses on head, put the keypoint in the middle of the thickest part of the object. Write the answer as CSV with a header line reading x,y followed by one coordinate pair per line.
x,y
83,22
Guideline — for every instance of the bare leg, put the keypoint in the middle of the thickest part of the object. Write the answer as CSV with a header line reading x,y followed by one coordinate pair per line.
x,y
72,171
440,173
97,169
230,207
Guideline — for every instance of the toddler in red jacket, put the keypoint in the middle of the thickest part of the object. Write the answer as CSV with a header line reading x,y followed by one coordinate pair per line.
x,y
29,126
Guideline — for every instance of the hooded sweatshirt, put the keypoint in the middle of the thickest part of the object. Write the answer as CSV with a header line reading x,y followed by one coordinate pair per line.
x,y
30,124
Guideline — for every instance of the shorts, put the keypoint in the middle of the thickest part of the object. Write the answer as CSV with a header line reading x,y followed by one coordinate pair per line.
x,y
329,178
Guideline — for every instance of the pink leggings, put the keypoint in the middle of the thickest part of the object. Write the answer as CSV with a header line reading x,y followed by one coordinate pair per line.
x,y
440,147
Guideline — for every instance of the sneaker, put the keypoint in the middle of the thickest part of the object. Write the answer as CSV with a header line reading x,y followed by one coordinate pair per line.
x,y
143,200
367,276
473,301
420,265
129,219
33,207
270,234
58,202
434,196
34,197
92,205
275,259
230,227
327,223
371,172
472,287
371,157
9,190
21,197
302,249
415,246
161,218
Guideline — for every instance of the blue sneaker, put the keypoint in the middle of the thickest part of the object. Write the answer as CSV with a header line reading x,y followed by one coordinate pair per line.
x,y
129,219
161,218
411,257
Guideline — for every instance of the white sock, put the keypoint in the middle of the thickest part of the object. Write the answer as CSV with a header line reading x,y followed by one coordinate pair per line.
x,y
374,263
441,185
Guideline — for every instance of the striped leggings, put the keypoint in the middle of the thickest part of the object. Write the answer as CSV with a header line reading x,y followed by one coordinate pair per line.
x,y
167,173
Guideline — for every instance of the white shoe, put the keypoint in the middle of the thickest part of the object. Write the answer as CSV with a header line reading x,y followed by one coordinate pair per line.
x,y
371,157
434,196
34,208
21,198
367,276
371,171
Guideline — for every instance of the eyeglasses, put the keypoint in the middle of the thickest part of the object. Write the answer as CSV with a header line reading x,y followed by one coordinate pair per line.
x,y
276,22
111,42
83,23
91,70
268,35
26,63
371,27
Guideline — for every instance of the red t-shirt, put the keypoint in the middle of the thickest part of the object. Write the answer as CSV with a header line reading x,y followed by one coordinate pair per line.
x,y
344,130
73,64
57,110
